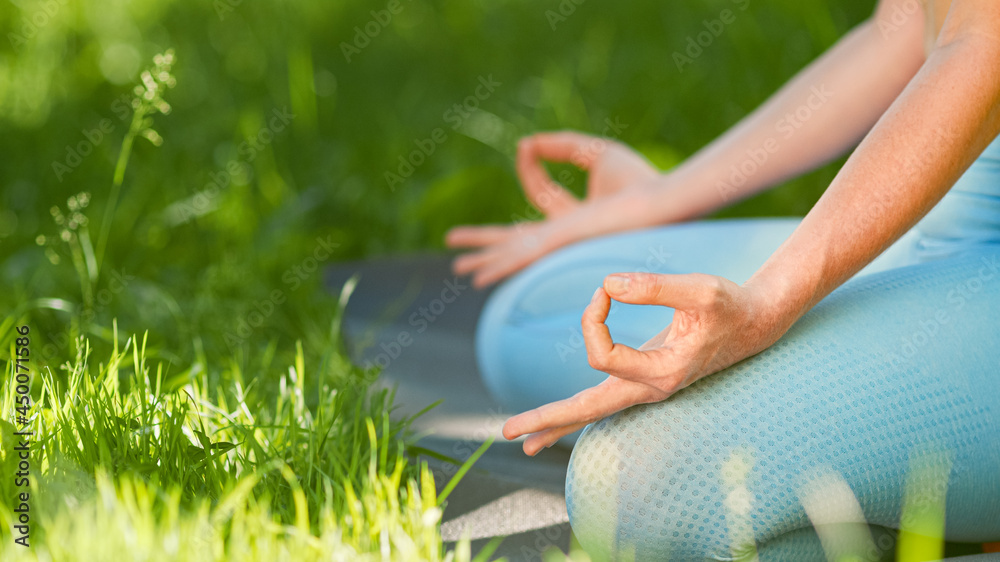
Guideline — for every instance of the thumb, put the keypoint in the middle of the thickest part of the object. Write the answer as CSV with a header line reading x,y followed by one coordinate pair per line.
x,y
675,291
545,194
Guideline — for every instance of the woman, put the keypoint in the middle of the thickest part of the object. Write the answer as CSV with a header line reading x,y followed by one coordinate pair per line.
x,y
893,374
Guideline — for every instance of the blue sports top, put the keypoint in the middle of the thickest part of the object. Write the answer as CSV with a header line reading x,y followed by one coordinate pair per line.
x,y
968,215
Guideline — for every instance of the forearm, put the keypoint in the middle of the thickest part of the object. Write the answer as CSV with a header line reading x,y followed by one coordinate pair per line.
x,y
814,118
945,117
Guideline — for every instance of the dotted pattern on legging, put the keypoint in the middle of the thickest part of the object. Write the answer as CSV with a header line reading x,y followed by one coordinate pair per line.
x,y
649,480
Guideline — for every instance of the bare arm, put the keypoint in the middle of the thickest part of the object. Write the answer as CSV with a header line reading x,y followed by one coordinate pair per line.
x,y
944,118
815,117
844,91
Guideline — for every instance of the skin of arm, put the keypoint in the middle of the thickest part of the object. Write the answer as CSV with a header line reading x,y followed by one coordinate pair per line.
x,y
945,117
855,81
859,77
943,120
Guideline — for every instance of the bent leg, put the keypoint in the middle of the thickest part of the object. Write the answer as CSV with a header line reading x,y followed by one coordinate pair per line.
x,y
528,342
803,545
889,364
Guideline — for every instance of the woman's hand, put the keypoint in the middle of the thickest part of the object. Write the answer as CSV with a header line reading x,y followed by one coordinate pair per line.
x,y
716,324
618,179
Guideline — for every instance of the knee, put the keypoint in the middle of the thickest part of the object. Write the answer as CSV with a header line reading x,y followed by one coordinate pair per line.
x,y
497,337
531,324
641,488
499,345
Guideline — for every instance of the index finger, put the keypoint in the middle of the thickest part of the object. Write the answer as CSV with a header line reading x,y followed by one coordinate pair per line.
x,y
603,353
565,146
586,406
674,290
475,236
547,438
544,193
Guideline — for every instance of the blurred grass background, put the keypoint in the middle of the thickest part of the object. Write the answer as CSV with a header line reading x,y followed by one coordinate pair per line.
x,y
239,202
64,65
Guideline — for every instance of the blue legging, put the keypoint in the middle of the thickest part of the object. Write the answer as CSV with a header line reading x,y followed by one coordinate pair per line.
x,y
889,361
902,359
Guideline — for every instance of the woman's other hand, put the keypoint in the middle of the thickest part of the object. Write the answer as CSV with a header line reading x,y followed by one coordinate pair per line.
x,y
619,183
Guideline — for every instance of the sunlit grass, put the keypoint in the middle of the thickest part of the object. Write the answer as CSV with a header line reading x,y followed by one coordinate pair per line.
x,y
135,456
196,422
129,470
183,475
921,535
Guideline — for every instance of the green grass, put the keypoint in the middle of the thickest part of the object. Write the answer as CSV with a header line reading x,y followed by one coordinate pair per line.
x,y
187,473
189,383
129,460
199,258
